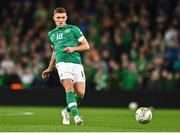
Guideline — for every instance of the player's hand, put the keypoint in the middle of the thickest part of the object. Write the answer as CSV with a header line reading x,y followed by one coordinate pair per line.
x,y
46,73
69,49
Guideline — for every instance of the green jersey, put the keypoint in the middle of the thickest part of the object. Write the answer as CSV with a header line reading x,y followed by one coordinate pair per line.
x,y
67,36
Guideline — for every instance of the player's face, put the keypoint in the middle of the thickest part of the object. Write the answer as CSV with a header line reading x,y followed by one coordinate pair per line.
x,y
60,19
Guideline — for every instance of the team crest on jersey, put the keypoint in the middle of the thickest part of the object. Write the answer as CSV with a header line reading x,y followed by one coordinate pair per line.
x,y
67,30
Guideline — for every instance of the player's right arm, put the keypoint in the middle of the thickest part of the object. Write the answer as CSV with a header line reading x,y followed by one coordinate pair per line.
x,y
46,72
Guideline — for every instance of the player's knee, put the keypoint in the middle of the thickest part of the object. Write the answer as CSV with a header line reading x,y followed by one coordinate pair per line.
x,y
80,94
68,84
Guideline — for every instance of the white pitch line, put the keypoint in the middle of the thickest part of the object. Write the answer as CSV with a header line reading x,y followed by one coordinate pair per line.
x,y
16,113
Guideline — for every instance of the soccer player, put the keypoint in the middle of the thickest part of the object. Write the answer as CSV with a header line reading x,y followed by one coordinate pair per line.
x,y
67,41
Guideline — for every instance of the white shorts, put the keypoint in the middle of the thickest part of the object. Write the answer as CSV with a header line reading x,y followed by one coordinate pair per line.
x,y
71,71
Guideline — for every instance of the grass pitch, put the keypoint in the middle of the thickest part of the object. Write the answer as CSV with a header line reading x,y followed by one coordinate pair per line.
x,y
47,119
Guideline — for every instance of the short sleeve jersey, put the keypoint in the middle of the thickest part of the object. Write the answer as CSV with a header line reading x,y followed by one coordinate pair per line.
x,y
67,36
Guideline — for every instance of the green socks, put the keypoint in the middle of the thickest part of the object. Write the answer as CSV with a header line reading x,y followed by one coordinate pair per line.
x,y
72,104
78,101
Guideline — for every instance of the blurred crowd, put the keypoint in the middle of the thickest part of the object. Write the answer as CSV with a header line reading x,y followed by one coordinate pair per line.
x,y
135,44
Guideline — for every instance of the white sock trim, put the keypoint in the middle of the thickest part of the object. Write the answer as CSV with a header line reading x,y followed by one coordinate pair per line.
x,y
75,117
70,105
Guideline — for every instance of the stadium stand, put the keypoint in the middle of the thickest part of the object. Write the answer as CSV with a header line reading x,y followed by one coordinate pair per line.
x,y
135,44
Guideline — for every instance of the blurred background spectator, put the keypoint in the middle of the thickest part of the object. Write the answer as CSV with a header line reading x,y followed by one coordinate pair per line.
x,y
135,44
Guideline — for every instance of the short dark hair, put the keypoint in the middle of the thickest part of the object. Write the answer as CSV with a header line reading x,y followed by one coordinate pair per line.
x,y
60,10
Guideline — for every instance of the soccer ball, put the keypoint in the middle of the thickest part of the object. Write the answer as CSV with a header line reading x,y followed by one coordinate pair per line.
x,y
143,115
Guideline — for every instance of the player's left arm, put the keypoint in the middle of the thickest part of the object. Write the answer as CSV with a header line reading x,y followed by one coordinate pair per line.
x,y
83,43
83,46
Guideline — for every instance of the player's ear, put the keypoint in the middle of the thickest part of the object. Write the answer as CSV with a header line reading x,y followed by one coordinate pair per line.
x,y
53,18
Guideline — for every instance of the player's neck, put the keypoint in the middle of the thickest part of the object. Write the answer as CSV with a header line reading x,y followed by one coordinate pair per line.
x,y
62,26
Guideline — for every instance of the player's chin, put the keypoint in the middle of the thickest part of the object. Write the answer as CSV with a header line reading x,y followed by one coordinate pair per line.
x,y
60,25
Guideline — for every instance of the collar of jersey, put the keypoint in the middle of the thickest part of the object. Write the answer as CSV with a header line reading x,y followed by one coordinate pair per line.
x,y
61,27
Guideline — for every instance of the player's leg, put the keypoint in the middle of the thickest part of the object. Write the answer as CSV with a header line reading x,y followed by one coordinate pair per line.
x,y
67,84
78,100
79,83
66,111
66,79
70,98
62,69
79,94
79,88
